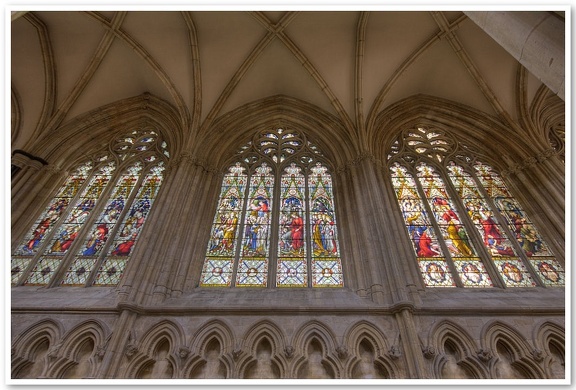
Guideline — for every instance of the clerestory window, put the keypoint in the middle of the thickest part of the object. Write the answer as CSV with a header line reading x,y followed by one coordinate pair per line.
x,y
275,223
466,229
89,229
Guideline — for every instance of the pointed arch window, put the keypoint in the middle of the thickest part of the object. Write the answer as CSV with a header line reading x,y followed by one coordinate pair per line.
x,y
87,232
275,223
466,228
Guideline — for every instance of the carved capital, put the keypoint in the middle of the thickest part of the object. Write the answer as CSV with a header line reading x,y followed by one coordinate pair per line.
x,y
530,162
52,169
357,160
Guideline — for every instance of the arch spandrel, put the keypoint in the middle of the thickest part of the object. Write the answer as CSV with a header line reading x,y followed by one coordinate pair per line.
x,y
238,126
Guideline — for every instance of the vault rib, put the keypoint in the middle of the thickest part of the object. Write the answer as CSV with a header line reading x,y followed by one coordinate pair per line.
x,y
115,30
50,91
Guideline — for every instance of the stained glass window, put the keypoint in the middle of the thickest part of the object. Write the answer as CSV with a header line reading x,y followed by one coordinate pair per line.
x,y
77,240
465,227
277,204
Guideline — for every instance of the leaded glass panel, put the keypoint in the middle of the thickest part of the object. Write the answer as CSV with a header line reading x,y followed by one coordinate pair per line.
x,y
431,260
488,205
73,206
253,266
529,239
80,212
292,242
288,209
217,270
43,271
54,211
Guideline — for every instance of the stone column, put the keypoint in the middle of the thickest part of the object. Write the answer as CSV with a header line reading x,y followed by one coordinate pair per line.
x,y
187,273
193,220
373,244
402,269
28,167
415,366
119,345
535,39
138,281
542,190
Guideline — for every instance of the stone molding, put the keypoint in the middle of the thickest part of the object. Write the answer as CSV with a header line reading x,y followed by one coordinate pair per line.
x,y
358,160
187,158
529,162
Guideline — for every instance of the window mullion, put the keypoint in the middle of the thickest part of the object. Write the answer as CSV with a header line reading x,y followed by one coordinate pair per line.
x,y
506,229
84,230
240,230
62,219
308,223
437,230
127,206
473,233
274,230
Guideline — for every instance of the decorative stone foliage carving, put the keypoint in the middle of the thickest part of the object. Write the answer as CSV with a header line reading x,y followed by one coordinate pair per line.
x,y
183,352
394,352
342,352
429,352
538,355
289,351
130,350
484,355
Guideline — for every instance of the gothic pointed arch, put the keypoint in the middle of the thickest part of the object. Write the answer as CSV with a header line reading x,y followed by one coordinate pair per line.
x,y
512,353
264,352
473,125
210,349
326,131
316,346
549,341
82,350
157,352
275,223
86,234
454,352
369,349
99,126
32,349
466,228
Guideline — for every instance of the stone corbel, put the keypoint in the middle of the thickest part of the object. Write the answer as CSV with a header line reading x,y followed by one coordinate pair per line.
x,y
538,355
342,352
484,355
53,351
236,353
394,352
130,350
429,352
100,352
183,352
529,162
289,351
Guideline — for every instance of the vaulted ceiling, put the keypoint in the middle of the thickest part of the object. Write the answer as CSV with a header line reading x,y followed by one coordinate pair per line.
x,y
206,63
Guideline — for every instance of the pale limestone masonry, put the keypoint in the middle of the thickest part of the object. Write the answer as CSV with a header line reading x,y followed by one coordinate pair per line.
x,y
384,323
